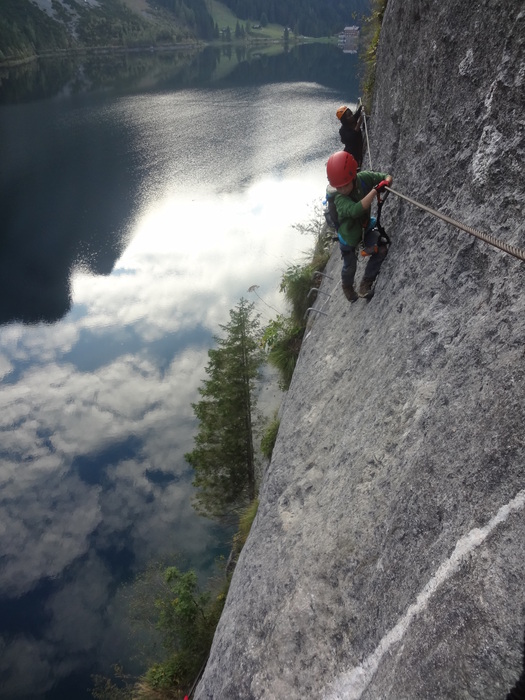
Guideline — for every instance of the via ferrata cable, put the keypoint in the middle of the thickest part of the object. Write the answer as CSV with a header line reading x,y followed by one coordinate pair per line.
x,y
366,134
485,237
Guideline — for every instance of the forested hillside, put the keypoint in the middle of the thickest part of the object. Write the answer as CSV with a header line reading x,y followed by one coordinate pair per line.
x,y
27,29
30,28
192,13
308,17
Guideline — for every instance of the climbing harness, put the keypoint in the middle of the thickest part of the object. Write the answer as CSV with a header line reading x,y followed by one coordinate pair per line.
x,y
383,238
485,237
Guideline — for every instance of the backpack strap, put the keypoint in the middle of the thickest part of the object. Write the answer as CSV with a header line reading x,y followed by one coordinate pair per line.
x,y
364,187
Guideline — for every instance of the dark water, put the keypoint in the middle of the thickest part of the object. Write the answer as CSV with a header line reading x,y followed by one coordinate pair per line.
x,y
140,197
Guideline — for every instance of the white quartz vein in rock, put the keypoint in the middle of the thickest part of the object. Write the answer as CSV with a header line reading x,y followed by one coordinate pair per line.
x,y
352,684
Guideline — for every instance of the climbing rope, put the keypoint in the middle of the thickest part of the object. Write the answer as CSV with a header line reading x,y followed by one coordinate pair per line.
x,y
485,237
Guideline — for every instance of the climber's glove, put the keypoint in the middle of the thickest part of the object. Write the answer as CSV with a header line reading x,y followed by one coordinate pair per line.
x,y
381,186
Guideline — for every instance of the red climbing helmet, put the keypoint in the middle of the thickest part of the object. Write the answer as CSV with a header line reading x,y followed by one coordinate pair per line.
x,y
341,169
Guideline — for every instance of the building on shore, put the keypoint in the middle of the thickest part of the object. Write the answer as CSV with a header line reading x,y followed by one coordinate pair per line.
x,y
348,39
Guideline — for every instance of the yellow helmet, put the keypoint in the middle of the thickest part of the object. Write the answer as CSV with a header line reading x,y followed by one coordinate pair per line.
x,y
342,109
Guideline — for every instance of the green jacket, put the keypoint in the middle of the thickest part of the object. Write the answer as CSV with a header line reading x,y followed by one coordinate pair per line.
x,y
352,217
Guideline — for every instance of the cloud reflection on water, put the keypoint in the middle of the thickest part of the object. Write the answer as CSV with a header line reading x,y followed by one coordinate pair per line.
x,y
166,283
95,410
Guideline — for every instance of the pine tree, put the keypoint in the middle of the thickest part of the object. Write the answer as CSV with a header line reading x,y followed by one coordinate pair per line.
x,y
223,457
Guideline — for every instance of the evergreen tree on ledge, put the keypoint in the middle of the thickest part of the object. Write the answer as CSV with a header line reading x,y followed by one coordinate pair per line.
x,y
223,457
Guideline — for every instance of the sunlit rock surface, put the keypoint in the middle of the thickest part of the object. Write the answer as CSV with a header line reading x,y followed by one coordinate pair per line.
x,y
387,557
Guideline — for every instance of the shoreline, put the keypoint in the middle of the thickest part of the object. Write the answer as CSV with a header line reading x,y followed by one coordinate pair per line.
x,y
194,46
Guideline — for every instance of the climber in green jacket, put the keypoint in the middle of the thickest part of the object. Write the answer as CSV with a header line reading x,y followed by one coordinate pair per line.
x,y
355,194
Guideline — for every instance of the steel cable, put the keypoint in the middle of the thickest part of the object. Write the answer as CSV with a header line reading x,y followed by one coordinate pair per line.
x,y
485,237
367,140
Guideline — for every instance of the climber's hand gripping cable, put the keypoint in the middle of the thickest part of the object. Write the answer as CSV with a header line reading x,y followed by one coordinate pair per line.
x,y
380,187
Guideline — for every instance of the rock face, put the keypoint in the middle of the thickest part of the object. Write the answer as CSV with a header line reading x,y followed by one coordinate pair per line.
x,y
387,559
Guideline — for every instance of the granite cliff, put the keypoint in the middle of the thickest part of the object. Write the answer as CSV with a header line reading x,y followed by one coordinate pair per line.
x,y
387,556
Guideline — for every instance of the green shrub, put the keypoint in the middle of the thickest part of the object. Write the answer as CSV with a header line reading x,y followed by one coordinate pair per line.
x,y
105,689
372,30
322,236
185,617
296,282
269,438
246,519
282,338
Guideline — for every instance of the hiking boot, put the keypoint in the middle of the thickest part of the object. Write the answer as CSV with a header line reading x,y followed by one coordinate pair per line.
x,y
350,294
365,288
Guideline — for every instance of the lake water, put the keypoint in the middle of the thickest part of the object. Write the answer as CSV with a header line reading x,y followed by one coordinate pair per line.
x,y
139,201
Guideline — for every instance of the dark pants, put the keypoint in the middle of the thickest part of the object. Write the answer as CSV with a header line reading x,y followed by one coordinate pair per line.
x,y
373,265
